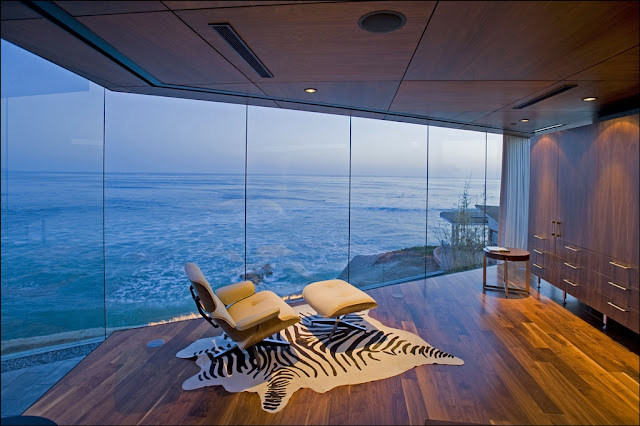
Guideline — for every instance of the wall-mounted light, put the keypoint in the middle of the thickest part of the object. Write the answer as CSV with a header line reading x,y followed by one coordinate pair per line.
x,y
524,120
310,90
589,98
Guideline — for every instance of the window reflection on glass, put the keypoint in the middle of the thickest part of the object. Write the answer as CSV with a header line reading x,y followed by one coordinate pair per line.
x,y
174,194
297,198
494,173
459,207
52,147
388,202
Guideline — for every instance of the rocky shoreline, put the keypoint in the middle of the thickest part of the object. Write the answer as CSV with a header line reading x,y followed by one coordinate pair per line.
x,y
364,270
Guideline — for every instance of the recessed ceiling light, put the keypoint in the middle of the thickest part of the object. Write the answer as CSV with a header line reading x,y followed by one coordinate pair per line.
x,y
310,90
589,98
524,120
382,21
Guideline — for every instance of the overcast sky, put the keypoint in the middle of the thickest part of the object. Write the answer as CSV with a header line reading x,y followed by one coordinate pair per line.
x,y
55,123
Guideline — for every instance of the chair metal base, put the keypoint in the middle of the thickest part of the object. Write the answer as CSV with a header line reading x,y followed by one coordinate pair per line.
x,y
338,321
235,345
270,341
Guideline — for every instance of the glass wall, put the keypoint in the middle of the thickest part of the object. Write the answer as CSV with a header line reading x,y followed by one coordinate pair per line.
x,y
105,196
388,202
174,193
297,198
493,174
51,171
463,195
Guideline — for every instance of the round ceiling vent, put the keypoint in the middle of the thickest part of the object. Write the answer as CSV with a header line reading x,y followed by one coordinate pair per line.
x,y
382,21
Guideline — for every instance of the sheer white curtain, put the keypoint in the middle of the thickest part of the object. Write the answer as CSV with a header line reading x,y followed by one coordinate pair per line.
x,y
514,192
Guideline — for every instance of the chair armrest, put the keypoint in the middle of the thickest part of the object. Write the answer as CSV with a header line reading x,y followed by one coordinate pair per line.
x,y
257,318
232,293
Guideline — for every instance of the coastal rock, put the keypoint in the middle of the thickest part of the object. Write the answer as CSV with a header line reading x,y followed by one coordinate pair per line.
x,y
257,276
379,268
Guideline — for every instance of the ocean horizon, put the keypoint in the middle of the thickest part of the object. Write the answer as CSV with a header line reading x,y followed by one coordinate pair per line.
x,y
55,247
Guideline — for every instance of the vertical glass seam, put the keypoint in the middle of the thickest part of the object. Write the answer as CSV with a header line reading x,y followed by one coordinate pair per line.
x,y
6,153
349,233
104,246
426,211
485,234
246,158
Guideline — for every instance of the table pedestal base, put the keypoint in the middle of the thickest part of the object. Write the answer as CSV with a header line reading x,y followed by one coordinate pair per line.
x,y
506,287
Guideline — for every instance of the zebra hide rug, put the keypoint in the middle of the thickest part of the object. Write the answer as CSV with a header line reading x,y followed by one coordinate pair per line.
x,y
351,357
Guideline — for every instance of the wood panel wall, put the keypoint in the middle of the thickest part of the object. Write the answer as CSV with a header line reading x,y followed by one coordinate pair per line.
x,y
592,253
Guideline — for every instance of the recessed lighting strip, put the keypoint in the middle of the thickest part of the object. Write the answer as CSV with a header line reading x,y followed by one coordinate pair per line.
x,y
230,35
546,96
547,128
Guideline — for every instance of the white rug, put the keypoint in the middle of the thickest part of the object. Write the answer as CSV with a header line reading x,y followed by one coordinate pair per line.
x,y
351,357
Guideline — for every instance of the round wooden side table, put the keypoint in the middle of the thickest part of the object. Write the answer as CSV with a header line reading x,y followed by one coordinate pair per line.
x,y
513,255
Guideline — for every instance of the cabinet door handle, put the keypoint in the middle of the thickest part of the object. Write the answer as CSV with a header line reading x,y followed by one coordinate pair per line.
x,y
571,248
618,286
538,237
558,223
619,265
553,228
570,265
616,306
538,266
537,251
569,282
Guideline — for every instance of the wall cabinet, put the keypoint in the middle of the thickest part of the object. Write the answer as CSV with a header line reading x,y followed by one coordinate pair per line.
x,y
584,215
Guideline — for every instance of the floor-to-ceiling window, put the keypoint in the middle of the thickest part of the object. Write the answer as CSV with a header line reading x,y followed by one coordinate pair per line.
x,y
174,193
462,208
106,195
388,202
297,198
51,174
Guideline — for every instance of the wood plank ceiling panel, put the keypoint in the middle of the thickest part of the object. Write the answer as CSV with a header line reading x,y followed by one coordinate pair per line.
x,y
462,100
164,46
49,41
421,121
367,94
246,88
16,10
566,107
510,119
625,66
203,96
522,40
79,8
182,5
607,92
316,41
329,110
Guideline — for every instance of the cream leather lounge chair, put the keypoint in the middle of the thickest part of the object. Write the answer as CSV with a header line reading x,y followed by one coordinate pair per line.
x,y
245,316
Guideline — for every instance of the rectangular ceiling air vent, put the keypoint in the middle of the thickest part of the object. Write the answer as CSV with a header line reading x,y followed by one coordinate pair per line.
x,y
546,96
237,44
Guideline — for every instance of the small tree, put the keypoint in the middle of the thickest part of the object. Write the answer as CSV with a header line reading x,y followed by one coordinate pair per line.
x,y
463,245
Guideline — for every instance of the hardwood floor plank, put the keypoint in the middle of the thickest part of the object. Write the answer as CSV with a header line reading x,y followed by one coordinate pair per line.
x,y
528,360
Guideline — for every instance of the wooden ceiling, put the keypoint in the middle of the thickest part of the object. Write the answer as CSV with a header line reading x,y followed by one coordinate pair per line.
x,y
454,64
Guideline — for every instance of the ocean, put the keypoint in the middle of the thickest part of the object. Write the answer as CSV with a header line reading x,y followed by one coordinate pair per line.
x,y
61,266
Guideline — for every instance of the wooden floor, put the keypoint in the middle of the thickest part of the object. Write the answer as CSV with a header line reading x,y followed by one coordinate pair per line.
x,y
528,360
